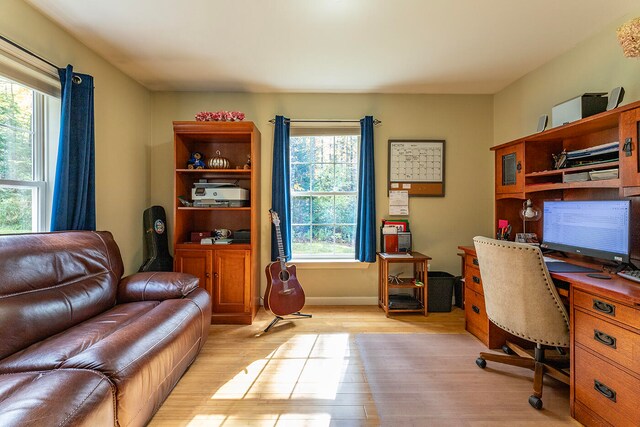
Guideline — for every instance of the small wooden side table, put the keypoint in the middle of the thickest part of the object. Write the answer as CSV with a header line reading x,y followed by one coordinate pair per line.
x,y
420,267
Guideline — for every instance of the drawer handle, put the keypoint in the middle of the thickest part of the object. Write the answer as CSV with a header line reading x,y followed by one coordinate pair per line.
x,y
476,279
604,390
604,307
475,261
475,309
603,338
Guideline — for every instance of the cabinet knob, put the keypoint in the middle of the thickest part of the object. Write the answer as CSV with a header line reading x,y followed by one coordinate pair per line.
x,y
628,146
215,275
207,275
475,309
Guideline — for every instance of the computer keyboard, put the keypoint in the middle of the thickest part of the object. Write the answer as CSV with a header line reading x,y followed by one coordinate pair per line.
x,y
630,274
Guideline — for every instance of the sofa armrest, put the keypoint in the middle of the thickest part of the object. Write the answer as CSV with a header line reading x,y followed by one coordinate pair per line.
x,y
155,286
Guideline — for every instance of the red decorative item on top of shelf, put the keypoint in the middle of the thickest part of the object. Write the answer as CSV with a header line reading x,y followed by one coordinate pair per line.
x,y
220,116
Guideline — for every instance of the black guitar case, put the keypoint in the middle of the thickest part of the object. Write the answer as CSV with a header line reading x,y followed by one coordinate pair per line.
x,y
155,241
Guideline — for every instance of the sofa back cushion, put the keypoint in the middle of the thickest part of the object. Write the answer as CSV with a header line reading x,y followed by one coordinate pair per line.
x,y
52,281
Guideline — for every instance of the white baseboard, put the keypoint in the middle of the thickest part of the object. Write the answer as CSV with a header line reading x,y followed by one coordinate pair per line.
x,y
341,301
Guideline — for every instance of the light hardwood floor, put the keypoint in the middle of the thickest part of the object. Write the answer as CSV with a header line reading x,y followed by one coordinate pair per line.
x,y
302,373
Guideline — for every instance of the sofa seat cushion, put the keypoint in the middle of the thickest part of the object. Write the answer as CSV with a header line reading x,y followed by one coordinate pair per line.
x,y
62,397
143,348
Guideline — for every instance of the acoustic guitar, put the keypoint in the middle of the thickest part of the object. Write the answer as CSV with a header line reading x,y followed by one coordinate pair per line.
x,y
284,295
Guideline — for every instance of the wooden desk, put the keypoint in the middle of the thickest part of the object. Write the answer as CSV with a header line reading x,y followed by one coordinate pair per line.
x,y
420,264
605,343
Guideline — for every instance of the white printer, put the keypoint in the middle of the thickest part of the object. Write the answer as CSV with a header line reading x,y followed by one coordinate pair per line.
x,y
219,194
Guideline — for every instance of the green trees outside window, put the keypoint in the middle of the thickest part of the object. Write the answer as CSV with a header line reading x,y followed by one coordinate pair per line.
x,y
324,180
16,158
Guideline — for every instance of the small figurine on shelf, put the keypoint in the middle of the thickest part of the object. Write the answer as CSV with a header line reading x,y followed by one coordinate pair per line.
x,y
248,164
196,161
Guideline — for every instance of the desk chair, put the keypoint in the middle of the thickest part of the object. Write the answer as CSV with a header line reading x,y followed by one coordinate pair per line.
x,y
521,298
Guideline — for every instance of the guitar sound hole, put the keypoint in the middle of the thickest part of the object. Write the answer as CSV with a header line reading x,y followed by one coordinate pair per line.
x,y
284,275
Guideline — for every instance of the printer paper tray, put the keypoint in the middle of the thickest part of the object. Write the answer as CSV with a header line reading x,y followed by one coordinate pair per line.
x,y
220,203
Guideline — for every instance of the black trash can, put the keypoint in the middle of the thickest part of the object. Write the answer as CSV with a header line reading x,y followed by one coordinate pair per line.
x,y
439,291
458,292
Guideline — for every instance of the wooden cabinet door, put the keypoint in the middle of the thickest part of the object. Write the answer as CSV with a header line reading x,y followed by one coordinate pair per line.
x,y
510,169
198,263
232,281
629,156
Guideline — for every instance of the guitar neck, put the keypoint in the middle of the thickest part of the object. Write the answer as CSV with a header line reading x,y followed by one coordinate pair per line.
x,y
281,256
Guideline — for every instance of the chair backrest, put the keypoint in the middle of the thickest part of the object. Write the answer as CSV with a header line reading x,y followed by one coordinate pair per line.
x,y
520,296
52,281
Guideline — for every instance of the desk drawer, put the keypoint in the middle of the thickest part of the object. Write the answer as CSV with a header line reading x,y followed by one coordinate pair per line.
x,y
473,280
475,314
605,338
472,261
606,390
610,309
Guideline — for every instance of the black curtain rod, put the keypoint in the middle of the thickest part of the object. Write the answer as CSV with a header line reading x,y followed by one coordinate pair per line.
x,y
27,51
375,121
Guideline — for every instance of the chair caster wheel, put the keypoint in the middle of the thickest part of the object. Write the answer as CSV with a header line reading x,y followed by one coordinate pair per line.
x,y
506,349
535,401
481,362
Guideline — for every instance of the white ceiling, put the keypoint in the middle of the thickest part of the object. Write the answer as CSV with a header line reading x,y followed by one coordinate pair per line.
x,y
357,46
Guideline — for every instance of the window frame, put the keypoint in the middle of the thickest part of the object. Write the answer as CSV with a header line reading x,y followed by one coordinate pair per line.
x,y
320,131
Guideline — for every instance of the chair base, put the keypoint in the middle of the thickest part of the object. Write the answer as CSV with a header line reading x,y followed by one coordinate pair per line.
x,y
540,363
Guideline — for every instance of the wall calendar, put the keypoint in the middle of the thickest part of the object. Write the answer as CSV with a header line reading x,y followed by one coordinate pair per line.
x,y
417,166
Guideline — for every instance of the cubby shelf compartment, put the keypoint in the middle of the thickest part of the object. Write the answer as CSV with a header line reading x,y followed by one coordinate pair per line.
x,y
605,183
215,171
195,208
552,172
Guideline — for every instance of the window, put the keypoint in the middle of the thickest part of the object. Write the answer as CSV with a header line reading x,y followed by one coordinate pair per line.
x,y
22,158
324,184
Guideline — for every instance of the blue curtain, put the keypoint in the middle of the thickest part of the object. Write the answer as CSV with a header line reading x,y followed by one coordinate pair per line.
x,y
280,189
74,206
366,226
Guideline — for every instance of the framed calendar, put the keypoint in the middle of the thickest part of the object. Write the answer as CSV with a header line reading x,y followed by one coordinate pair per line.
x,y
417,166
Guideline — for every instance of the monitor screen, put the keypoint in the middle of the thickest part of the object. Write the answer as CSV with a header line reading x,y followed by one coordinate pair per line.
x,y
599,229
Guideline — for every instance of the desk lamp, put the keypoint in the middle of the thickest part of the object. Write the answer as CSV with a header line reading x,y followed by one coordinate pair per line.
x,y
529,212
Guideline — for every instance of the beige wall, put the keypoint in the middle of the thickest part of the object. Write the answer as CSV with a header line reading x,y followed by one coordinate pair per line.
x,y
122,125
595,65
439,225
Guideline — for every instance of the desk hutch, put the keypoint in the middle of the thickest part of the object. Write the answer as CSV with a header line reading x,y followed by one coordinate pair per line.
x,y
605,314
229,273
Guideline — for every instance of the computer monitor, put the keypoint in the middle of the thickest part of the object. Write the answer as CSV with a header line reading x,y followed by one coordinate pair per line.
x,y
595,228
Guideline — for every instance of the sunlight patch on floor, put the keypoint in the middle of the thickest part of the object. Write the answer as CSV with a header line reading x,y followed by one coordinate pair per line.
x,y
307,364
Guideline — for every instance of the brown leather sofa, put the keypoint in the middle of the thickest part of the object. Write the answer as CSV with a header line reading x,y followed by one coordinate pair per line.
x,y
81,346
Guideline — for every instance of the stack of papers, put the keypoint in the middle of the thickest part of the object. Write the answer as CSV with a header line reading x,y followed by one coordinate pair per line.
x,y
576,177
610,147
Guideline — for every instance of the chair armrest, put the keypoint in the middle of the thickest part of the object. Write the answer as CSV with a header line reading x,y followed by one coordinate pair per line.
x,y
155,286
